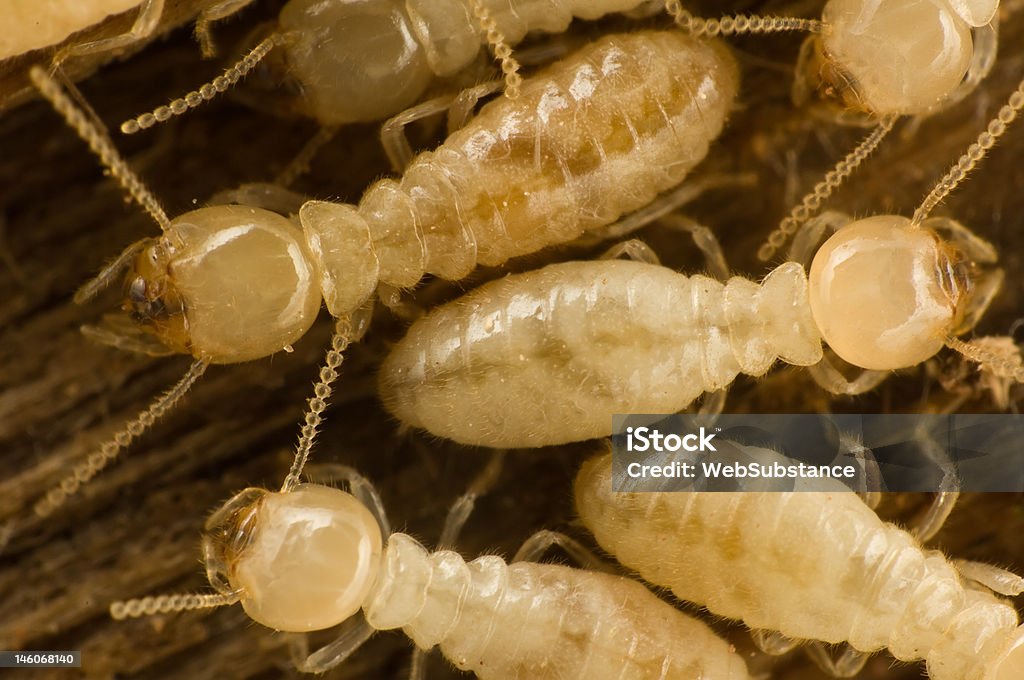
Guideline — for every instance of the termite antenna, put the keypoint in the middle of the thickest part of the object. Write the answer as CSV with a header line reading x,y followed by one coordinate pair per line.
x,y
205,93
166,604
975,152
502,50
346,331
739,23
93,135
811,203
109,450
1001,365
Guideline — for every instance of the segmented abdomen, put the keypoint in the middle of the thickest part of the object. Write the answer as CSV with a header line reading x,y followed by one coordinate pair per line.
x,y
594,136
812,565
548,356
537,621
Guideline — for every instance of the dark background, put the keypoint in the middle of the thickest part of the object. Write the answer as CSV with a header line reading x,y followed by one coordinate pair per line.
x,y
135,530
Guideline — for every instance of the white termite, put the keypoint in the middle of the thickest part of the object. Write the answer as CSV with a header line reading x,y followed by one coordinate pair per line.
x,y
310,557
812,565
365,61
874,60
595,135
547,357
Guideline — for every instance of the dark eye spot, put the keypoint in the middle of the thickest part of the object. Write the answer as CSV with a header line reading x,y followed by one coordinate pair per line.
x,y
137,291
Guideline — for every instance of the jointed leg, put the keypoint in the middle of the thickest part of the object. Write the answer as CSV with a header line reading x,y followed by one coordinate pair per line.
x,y
536,545
355,632
849,663
828,376
215,13
145,24
633,249
463,506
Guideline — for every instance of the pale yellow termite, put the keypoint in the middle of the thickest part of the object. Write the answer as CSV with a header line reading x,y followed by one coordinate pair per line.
x,y
810,564
547,357
595,135
364,61
310,557
874,60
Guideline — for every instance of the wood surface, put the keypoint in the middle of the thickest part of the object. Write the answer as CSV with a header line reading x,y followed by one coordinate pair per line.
x,y
135,530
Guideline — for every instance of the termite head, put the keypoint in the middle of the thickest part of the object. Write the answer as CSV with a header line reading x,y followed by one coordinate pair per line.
x,y
301,560
357,61
896,57
886,294
225,284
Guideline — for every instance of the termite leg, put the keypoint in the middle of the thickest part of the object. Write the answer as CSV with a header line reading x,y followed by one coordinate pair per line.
x,y
463,506
392,133
536,545
997,580
925,528
354,633
665,204
119,332
849,663
462,107
711,406
633,249
705,240
828,376
146,22
772,642
213,13
810,235
299,165
261,195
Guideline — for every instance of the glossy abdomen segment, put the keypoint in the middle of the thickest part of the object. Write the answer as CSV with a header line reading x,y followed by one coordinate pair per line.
x,y
528,621
595,135
812,565
548,356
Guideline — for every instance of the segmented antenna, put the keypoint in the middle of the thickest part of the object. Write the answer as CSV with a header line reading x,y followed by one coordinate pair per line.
x,y
110,449
737,24
502,51
811,203
975,152
205,93
346,331
166,604
1001,366
99,143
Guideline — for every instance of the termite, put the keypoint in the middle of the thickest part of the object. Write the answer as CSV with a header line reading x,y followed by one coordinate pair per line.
x,y
353,62
547,357
812,565
873,60
594,136
311,557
